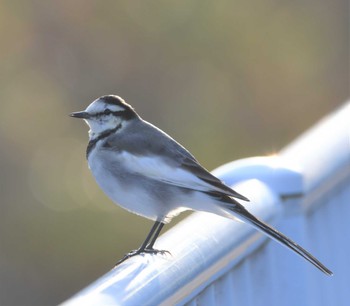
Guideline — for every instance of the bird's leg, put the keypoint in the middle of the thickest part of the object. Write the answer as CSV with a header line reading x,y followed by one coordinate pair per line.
x,y
147,245
154,232
155,236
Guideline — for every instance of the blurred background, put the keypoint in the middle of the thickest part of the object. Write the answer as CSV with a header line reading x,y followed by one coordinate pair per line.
x,y
228,79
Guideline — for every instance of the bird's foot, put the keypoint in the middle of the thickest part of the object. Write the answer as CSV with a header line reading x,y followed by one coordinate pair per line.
x,y
142,251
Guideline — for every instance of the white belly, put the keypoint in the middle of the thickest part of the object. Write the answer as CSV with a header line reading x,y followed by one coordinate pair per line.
x,y
131,193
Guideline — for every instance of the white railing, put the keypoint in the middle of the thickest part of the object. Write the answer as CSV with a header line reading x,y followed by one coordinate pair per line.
x,y
304,192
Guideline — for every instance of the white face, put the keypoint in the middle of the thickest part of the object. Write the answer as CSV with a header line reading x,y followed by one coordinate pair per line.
x,y
102,118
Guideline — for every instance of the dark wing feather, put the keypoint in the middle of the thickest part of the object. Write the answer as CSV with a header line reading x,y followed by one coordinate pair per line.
x,y
194,167
154,142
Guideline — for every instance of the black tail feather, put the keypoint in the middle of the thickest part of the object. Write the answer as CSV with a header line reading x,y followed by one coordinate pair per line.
x,y
241,213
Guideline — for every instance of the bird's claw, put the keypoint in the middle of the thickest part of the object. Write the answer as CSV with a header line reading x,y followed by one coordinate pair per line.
x,y
139,252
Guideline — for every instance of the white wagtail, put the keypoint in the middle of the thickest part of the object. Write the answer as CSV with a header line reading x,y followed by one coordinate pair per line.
x,y
148,173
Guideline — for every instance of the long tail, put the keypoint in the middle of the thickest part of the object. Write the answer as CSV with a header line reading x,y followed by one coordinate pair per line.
x,y
241,213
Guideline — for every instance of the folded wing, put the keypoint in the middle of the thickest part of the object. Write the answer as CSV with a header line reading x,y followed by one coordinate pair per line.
x,y
188,173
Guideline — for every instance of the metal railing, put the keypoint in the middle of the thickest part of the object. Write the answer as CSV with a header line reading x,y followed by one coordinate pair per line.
x,y
304,192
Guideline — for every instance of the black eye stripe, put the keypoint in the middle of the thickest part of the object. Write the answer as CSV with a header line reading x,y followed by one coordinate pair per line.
x,y
117,113
125,114
109,112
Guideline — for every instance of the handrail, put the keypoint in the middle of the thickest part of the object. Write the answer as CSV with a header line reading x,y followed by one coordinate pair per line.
x,y
206,247
199,242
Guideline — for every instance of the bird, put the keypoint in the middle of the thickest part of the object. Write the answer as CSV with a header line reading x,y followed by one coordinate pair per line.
x,y
148,173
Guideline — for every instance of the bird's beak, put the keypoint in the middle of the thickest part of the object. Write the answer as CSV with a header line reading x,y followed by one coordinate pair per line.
x,y
81,115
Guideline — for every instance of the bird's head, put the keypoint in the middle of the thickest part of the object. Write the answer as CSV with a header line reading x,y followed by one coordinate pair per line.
x,y
106,113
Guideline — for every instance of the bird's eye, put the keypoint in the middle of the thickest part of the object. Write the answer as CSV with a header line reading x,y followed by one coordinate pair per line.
x,y
107,111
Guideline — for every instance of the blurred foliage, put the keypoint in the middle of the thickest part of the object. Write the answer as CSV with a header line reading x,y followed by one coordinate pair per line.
x,y
228,79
